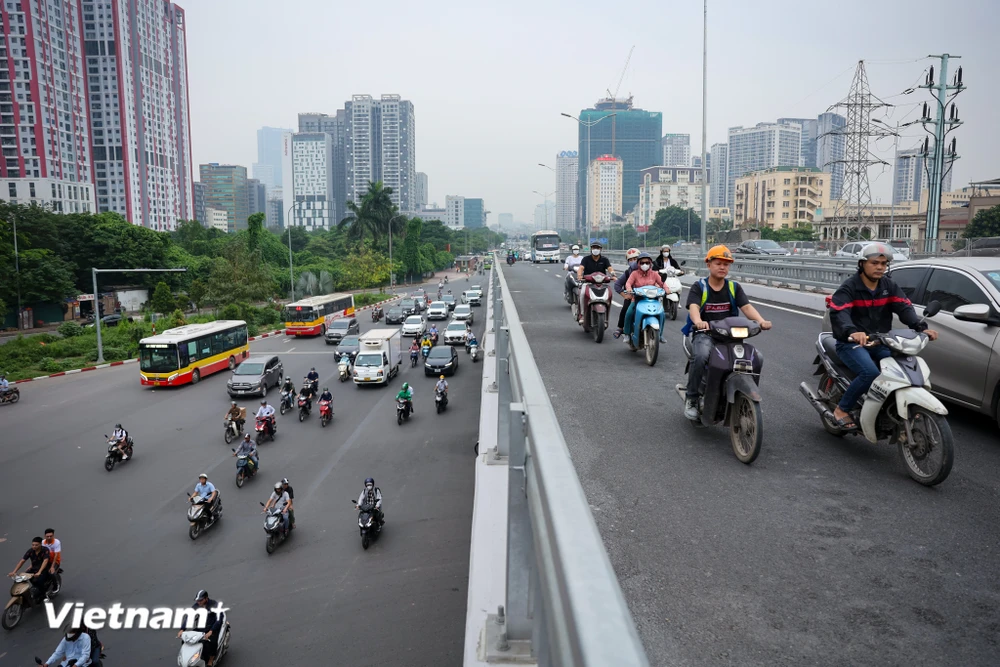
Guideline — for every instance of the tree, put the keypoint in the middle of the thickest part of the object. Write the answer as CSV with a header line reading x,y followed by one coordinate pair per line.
x,y
197,292
239,275
410,255
367,269
163,301
672,222
255,227
375,218
986,223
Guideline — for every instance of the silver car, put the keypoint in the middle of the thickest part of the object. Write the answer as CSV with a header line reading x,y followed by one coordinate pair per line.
x,y
463,313
965,360
414,326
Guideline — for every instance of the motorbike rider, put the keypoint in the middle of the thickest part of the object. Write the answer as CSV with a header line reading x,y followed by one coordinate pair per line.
x,y
641,278
372,495
214,621
593,263
266,412
426,345
433,332
326,396
470,340
414,349
632,257
572,261
236,415
279,495
39,557
120,436
665,260
207,490
75,645
4,385
288,387
249,448
861,307
406,393
55,550
710,299
306,392
442,386
291,500
313,377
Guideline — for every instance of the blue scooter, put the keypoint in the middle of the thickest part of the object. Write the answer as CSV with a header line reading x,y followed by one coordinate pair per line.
x,y
648,321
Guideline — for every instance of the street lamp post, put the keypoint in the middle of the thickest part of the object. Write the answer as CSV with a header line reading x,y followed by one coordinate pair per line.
x,y
588,124
704,134
291,276
545,198
17,270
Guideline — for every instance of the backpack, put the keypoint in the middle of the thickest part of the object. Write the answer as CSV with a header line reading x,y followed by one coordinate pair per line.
x,y
689,326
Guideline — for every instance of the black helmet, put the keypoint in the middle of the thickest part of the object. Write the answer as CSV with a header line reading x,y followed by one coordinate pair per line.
x,y
202,595
118,425
370,480
327,388
644,255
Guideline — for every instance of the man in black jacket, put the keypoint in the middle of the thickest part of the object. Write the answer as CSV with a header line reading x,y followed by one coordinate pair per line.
x,y
863,306
212,628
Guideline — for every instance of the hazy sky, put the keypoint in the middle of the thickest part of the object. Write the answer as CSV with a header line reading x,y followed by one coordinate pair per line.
x,y
488,80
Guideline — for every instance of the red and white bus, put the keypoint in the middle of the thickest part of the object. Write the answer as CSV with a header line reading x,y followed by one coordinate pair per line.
x,y
188,353
313,316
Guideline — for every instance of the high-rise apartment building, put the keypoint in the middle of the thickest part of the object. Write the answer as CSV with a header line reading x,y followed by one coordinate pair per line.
x,y
676,150
454,212
638,137
44,123
308,187
605,180
822,144
781,197
380,146
256,197
761,147
475,213
137,79
267,168
226,190
199,203
275,209
662,187
545,215
420,191
718,191
336,127
910,176
567,176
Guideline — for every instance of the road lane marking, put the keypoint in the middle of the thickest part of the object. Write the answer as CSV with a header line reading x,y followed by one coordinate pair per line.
x,y
289,349
788,310
546,270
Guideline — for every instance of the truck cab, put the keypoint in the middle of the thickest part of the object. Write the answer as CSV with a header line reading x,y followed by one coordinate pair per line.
x,y
379,357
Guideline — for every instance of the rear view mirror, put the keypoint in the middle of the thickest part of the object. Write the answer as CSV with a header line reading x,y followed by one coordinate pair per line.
x,y
932,309
684,262
973,312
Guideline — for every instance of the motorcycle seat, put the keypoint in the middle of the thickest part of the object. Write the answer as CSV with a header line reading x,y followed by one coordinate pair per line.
x,y
830,349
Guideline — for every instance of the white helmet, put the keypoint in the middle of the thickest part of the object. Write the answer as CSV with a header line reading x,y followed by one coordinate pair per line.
x,y
876,249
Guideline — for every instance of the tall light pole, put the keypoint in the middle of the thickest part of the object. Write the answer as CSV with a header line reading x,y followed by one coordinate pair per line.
x,y
588,124
291,276
17,270
545,198
554,173
704,134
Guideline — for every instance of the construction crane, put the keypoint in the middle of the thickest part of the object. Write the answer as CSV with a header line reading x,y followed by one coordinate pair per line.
x,y
614,98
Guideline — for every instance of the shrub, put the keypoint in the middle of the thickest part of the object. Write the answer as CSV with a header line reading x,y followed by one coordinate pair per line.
x,y
70,329
49,365
231,312
252,329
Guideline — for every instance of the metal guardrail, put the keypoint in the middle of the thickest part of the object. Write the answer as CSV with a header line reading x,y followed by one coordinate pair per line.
x,y
564,606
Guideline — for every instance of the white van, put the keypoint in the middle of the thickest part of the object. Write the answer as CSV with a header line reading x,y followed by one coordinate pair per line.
x,y
379,357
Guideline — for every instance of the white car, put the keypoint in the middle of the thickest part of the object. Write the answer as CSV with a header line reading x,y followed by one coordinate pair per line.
x,y
463,313
472,297
854,249
414,326
455,333
438,310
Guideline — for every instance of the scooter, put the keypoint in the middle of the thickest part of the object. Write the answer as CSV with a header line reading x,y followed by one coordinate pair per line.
x,y
648,321
274,526
325,413
672,282
199,516
569,288
595,305
729,392
245,469
263,431
376,314
191,645
22,596
370,528
474,351
114,454
344,367
303,408
233,430
425,350
402,411
286,401
13,395
414,357
440,401
898,407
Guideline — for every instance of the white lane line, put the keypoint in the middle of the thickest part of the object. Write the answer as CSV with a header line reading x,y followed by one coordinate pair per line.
x,y
787,310
289,349
546,270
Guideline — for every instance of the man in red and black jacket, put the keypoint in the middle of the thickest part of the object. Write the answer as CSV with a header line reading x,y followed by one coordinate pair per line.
x,y
863,306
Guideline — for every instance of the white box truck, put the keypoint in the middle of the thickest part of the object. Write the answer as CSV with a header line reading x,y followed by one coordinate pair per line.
x,y
379,357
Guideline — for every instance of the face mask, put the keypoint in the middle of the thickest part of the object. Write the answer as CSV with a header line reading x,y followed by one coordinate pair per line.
x,y
632,264
645,267
576,252
595,252
666,254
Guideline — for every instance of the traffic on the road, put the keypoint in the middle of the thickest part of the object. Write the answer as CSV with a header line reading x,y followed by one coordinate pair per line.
x,y
119,525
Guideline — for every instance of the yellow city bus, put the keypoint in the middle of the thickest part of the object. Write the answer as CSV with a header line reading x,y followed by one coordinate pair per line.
x,y
188,353
312,316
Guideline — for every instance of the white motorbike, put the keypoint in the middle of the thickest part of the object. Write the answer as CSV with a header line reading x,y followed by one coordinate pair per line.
x,y
474,351
233,431
192,643
344,368
672,281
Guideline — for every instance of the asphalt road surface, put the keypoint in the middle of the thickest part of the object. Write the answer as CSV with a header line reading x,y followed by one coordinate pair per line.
x,y
823,552
320,598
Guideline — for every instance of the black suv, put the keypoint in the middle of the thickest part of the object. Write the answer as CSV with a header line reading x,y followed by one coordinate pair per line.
x,y
345,326
255,375
409,307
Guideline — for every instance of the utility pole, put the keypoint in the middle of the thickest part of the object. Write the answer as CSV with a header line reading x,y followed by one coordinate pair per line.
x,y
704,138
941,127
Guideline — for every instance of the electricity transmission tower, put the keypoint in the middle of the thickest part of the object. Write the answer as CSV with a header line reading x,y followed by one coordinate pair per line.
x,y
853,214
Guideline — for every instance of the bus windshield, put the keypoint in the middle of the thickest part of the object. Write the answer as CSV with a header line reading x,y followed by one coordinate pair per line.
x,y
306,314
548,242
158,359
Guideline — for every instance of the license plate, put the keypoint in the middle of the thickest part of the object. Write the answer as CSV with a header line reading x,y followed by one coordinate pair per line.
x,y
157,384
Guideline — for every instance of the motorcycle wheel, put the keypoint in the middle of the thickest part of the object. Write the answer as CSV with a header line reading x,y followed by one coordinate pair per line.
x,y
673,310
746,430
229,436
598,327
11,616
195,530
825,384
109,463
270,544
399,418
302,415
282,409
14,397
931,436
260,438
240,479
439,408
323,421
365,542
652,345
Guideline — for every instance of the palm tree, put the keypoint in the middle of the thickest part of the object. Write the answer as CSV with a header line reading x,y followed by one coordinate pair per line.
x,y
375,217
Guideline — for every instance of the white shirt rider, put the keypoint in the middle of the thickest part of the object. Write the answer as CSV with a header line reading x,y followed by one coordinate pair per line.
x,y
573,260
265,411
441,386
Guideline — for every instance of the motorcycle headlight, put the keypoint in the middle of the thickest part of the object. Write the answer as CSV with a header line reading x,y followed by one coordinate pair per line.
x,y
194,659
739,332
369,523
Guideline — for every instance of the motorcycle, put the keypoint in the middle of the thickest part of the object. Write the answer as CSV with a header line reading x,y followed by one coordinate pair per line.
x,y
114,454
898,407
434,338
425,350
446,282
648,321
245,469
440,400
199,516
263,431
325,413
376,314
192,641
569,288
370,528
729,392
595,304
274,526
672,281
233,430
402,411
286,401
304,409
312,384
414,357
510,261
474,351
344,367
13,395
22,596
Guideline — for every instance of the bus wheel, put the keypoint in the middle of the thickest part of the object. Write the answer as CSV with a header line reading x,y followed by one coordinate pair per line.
x,y
195,376
232,363
322,330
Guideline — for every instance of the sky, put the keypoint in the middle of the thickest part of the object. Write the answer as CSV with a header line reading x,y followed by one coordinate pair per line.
x,y
489,80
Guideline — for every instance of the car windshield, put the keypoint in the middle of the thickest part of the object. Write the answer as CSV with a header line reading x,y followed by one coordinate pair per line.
x,y
440,352
368,360
158,360
396,312
456,326
447,298
477,288
341,324
413,319
993,277
462,310
766,245
407,303
348,341
249,369
438,304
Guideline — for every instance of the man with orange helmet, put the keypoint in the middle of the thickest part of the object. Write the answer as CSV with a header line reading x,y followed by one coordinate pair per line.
x,y
710,299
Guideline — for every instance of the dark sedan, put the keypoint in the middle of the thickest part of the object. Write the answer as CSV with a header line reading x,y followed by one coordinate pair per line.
x,y
409,306
395,315
348,345
442,360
